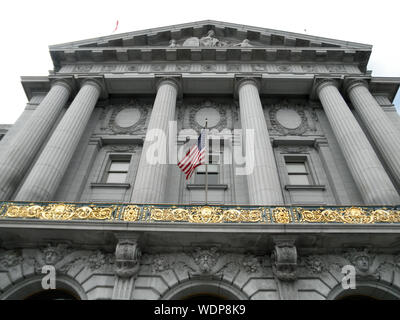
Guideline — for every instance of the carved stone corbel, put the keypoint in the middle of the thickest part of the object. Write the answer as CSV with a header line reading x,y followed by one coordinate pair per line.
x,y
127,257
284,259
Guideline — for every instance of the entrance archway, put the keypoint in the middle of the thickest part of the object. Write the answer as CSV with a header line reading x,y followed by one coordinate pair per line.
x,y
31,289
366,290
204,290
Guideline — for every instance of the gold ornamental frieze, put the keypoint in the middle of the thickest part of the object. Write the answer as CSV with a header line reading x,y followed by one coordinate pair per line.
x,y
206,214
353,215
60,211
209,214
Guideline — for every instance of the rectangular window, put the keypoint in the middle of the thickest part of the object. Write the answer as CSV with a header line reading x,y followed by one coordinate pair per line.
x,y
117,171
214,161
297,171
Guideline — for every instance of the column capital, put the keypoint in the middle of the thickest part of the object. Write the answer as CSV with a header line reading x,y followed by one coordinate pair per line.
x,y
97,82
173,80
323,82
350,84
240,81
67,82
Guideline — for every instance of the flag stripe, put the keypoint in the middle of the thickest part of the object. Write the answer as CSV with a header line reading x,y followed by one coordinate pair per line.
x,y
194,157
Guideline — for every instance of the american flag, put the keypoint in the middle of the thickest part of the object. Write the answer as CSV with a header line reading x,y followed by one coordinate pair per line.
x,y
195,156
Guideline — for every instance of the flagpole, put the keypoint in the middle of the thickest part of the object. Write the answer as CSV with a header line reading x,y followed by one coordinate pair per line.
x,y
207,158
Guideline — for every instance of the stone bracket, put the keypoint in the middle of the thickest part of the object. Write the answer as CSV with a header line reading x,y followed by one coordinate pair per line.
x,y
284,258
127,256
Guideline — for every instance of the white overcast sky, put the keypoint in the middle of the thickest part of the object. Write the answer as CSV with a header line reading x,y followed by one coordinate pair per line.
x,y
29,27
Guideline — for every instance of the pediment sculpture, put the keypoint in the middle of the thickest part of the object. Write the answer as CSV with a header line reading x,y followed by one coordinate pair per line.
x,y
209,40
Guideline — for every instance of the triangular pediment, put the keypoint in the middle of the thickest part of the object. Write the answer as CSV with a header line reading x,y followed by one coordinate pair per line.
x,y
210,33
210,41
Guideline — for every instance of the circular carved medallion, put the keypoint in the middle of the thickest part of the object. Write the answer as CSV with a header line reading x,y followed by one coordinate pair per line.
x,y
212,115
127,117
288,118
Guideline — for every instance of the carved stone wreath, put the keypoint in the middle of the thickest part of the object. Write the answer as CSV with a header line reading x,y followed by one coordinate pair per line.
x,y
137,126
222,123
277,126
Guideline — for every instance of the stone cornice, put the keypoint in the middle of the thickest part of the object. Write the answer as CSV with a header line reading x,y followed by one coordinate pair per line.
x,y
229,54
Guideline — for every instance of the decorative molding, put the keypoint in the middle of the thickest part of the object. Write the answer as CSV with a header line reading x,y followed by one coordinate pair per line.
x,y
138,126
286,105
58,255
127,258
195,108
198,214
121,148
353,215
294,149
206,262
218,67
284,259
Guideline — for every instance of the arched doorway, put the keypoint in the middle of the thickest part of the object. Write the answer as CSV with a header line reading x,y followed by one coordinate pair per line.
x,y
56,294
204,290
31,289
366,290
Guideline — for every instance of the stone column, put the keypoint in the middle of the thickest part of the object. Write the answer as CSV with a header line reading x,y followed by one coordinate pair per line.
x,y
152,173
45,177
18,156
368,173
382,130
263,181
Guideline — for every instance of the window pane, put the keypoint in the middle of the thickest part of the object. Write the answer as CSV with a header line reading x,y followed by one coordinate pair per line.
x,y
296,167
212,178
211,168
119,166
298,179
200,178
116,177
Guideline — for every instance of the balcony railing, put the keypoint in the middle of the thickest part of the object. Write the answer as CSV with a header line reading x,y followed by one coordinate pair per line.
x,y
144,213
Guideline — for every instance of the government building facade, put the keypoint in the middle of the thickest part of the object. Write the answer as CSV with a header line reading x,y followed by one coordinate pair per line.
x,y
300,193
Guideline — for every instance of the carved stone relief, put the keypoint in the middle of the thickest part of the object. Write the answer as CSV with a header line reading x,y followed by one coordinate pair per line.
x,y
284,259
128,118
368,266
83,68
207,261
208,67
60,256
127,258
215,114
121,148
288,118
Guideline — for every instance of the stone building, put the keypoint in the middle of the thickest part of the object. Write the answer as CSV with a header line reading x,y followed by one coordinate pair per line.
x,y
303,174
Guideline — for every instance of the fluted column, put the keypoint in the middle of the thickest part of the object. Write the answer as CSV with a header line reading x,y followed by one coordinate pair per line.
x,y
382,130
151,177
263,181
368,173
18,156
45,177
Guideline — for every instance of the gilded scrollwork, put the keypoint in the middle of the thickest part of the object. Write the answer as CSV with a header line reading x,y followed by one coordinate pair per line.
x,y
281,215
60,211
199,214
352,215
131,213
206,214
